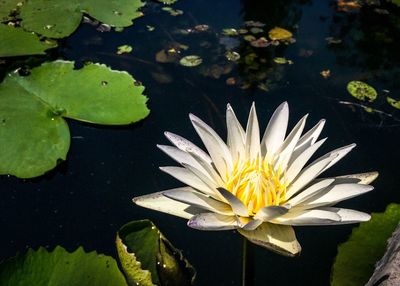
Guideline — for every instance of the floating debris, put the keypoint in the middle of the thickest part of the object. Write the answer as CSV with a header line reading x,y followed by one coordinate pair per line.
x,y
190,61
279,34
232,56
230,81
150,28
103,28
230,32
254,24
393,102
260,43
361,90
381,11
333,41
348,6
263,86
256,30
282,61
118,29
325,73
172,12
124,49
305,53
202,28
167,2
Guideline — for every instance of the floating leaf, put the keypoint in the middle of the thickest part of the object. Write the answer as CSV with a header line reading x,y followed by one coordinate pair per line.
x,y
356,257
393,102
260,43
171,11
169,56
58,21
61,268
33,135
17,42
333,41
256,30
232,56
148,258
168,2
249,38
325,73
278,34
282,61
230,32
254,24
361,90
202,28
124,49
150,28
191,61
243,31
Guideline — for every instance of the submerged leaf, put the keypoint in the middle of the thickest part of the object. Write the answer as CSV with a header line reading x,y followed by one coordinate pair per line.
x,y
148,258
361,90
17,42
356,257
393,102
61,268
191,61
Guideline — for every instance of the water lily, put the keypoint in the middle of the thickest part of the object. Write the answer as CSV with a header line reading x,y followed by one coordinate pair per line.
x,y
260,187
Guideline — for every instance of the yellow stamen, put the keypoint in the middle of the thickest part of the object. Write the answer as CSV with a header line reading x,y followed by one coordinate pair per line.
x,y
257,184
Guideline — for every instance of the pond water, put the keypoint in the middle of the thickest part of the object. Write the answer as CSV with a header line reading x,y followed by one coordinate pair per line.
x,y
86,199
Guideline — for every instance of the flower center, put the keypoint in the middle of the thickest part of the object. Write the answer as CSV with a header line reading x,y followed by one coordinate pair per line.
x,y
257,184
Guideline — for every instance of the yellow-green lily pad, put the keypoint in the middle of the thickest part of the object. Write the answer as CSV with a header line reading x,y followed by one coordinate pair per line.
x,y
361,90
282,61
278,34
232,56
191,61
393,102
124,49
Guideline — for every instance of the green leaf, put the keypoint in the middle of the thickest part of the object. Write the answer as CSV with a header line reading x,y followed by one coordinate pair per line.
x,y
148,258
393,102
17,42
58,19
361,90
356,257
191,61
61,268
94,93
7,7
124,49
33,134
168,2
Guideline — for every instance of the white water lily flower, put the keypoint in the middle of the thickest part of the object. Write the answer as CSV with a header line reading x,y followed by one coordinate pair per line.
x,y
261,188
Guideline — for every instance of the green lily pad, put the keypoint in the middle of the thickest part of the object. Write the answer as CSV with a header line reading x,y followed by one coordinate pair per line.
x,y
60,19
361,90
191,61
282,61
167,2
33,135
393,102
356,257
7,7
232,56
172,12
256,30
148,258
124,49
61,268
17,42
230,32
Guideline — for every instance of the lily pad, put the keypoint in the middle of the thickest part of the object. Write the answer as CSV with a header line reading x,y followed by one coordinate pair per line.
x,y
61,268
17,42
256,30
124,49
230,32
60,20
33,135
8,7
232,56
282,61
168,2
393,102
191,61
278,34
260,43
356,257
361,90
148,258
172,12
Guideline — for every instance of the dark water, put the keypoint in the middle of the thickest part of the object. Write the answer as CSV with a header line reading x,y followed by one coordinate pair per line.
x,y
86,199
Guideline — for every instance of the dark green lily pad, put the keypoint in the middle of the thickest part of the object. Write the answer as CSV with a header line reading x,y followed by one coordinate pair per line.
x,y
62,17
393,102
361,90
148,258
191,61
17,42
61,268
356,257
33,135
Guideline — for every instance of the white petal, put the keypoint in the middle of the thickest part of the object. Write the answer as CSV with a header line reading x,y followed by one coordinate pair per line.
x,y
213,221
336,154
191,197
309,138
278,238
179,156
237,205
186,145
186,176
310,191
297,165
236,134
276,130
336,193
306,176
251,224
308,217
284,153
270,212
252,135
209,169
217,149
363,178
349,216
158,202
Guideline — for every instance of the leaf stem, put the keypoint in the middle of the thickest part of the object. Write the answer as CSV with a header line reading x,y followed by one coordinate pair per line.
x,y
247,264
